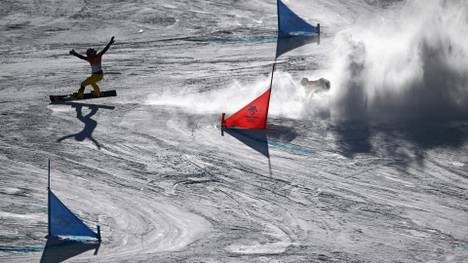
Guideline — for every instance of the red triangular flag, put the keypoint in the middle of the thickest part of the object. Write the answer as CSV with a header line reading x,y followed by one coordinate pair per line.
x,y
253,115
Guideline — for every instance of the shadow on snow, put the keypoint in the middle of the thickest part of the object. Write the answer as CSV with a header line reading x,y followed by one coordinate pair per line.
x,y
405,141
90,124
59,250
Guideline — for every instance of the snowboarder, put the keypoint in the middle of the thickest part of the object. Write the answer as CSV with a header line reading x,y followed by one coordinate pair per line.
x,y
94,58
316,86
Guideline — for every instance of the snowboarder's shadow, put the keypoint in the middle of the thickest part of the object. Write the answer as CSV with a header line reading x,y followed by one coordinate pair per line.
x,y
90,124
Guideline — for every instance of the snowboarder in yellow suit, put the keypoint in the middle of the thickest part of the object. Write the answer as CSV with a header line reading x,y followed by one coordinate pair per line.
x,y
94,58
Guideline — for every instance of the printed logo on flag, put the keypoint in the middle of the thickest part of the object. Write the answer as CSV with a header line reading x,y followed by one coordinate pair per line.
x,y
252,110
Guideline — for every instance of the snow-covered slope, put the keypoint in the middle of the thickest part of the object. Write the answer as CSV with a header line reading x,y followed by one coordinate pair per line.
x,y
376,170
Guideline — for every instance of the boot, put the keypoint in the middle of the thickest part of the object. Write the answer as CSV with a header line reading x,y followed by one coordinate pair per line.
x,y
78,95
96,92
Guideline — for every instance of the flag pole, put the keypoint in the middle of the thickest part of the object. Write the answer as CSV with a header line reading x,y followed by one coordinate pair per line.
x,y
48,177
48,203
276,56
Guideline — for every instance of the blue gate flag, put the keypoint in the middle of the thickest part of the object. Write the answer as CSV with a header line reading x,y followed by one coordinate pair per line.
x,y
293,31
290,24
63,222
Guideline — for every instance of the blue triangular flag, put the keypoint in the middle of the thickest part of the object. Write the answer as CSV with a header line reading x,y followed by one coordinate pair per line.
x,y
290,24
293,31
63,222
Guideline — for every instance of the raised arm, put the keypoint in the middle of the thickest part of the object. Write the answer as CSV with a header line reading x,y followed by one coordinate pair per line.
x,y
73,52
107,47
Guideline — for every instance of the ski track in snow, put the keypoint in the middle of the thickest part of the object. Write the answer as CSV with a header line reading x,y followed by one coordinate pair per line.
x,y
166,187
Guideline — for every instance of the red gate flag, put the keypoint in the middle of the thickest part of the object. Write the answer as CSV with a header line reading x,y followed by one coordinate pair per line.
x,y
252,116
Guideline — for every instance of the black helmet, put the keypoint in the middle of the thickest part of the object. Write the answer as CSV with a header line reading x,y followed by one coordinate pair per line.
x,y
90,51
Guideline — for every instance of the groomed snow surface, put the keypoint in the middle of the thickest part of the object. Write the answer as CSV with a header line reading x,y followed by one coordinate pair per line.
x,y
374,170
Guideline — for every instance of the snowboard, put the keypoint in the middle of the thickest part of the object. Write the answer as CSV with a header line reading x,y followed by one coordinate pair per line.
x,y
62,98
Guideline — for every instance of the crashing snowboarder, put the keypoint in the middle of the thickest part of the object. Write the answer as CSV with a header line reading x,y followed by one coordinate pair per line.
x,y
316,86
